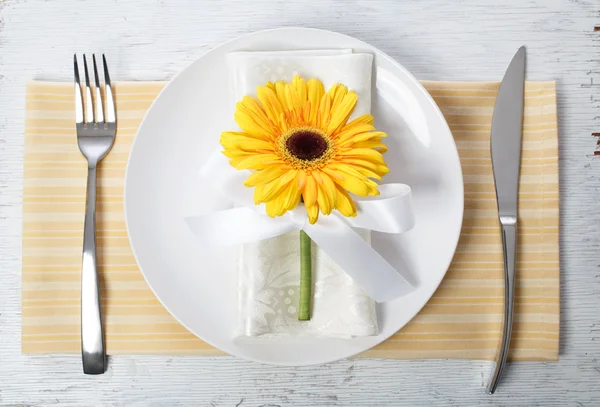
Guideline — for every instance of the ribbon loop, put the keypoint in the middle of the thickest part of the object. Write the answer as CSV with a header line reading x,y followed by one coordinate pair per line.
x,y
358,259
237,226
390,212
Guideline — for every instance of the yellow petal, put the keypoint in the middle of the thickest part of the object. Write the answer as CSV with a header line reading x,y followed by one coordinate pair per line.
x,y
269,191
232,141
270,103
250,106
373,144
301,88
234,134
324,112
337,93
280,90
335,175
365,154
288,176
280,202
365,118
301,178
354,184
259,192
263,176
317,177
313,213
329,188
315,94
357,138
344,204
345,169
292,98
291,196
255,162
367,172
382,169
341,111
236,153
283,124
378,168
373,191
349,131
273,207
310,191
250,126
306,112
325,205
350,179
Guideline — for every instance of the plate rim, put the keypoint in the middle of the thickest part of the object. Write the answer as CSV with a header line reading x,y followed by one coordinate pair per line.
x,y
389,59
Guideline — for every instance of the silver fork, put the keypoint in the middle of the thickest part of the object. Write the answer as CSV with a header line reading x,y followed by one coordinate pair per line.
x,y
96,131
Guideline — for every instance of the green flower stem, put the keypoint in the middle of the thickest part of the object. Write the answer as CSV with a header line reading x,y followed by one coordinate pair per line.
x,y
305,277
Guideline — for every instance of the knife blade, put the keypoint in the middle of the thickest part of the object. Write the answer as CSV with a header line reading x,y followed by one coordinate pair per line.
x,y
507,124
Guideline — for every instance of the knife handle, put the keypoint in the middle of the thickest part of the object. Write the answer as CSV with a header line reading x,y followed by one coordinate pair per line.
x,y
509,245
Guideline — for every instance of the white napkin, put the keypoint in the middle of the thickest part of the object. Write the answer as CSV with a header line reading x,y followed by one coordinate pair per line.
x,y
269,270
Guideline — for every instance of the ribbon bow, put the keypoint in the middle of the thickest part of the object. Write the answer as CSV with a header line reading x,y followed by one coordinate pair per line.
x,y
389,212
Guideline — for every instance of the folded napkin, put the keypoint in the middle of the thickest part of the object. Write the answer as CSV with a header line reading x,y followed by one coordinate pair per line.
x,y
463,319
269,293
269,279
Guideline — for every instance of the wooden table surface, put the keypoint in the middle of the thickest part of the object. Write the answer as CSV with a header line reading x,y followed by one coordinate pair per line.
x,y
434,39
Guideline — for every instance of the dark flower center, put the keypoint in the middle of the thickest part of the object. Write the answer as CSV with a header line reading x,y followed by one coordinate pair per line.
x,y
306,145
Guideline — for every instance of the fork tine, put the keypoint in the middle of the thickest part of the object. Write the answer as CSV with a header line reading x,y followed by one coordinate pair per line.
x,y
90,115
108,94
99,107
78,94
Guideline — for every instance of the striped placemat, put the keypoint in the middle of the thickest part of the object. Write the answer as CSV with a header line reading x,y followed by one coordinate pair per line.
x,y
462,320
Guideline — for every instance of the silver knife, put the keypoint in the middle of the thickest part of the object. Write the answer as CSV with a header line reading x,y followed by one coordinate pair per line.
x,y
507,124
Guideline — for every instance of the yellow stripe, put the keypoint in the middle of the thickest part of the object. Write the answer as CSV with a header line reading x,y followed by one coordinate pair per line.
x,y
462,320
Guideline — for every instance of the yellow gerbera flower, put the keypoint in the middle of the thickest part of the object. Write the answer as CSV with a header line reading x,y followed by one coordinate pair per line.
x,y
297,139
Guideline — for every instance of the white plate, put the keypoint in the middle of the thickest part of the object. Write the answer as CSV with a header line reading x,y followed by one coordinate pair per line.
x,y
198,286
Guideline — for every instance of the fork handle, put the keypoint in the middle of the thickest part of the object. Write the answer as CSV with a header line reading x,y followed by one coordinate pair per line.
x,y
509,245
92,335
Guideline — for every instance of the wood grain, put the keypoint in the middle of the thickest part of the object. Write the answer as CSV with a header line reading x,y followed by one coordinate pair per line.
x,y
434,39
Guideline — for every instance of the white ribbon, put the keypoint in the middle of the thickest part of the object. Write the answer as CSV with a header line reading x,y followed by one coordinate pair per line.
x,y
390,212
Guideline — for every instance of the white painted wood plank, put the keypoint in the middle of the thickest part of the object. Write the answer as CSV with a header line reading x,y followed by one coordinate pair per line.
x,y
434,39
